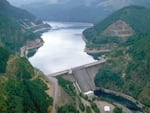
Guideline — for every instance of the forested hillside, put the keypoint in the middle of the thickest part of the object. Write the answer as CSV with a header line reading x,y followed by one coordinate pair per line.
x,y
128,66
134,16
22,90
15,13
4,55
19,92
14,24
12,35
128,69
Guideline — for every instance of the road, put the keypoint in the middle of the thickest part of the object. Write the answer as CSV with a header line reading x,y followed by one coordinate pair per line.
x,y
54,83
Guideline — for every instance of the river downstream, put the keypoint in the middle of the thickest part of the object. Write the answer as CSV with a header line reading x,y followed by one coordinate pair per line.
x,y
63,48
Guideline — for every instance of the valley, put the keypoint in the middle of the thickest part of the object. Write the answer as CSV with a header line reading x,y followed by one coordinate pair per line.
x,y
71,63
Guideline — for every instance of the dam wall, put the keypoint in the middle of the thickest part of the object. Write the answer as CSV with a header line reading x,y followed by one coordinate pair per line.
x,y
83,76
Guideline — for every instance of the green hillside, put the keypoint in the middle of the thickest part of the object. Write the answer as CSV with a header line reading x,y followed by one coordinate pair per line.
x,y
135,16
13,12
18,89
130,15
12,34
128,66
4,55
128,70
21,89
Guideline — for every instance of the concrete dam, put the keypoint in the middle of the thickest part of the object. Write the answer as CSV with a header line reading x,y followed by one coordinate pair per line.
x,y
82,76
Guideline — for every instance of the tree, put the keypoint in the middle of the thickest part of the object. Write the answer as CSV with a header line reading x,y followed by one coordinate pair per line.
x,y
117,110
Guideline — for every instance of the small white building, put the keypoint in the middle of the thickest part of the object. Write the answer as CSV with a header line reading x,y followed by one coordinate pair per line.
x,y
107,109
89,93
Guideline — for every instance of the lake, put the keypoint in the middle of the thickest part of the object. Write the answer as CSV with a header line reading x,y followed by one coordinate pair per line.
x,y
63,48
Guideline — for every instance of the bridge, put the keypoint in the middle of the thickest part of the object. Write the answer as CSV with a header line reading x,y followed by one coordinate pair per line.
x,y
82,76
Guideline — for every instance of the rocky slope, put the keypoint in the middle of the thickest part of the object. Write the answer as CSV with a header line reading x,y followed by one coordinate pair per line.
x,y
117,28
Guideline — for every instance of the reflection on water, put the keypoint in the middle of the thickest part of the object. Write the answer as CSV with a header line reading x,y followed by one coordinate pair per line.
x,y
63,48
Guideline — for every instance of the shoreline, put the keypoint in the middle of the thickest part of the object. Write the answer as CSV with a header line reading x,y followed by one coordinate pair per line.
x,y
31,46
96,51
123,95
93,50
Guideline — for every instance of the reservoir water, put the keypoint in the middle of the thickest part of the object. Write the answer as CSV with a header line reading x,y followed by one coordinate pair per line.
x,y
63,48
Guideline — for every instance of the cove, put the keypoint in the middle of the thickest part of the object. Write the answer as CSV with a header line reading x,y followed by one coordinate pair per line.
x,y
63,48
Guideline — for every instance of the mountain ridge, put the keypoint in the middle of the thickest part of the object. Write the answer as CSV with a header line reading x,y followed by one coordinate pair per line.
x,y
79,10
130,15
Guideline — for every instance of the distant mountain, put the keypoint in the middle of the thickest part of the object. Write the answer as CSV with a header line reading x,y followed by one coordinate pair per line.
x,y
79,10
67,12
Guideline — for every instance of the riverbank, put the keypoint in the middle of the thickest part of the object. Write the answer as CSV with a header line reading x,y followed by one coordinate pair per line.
x,y
41,28
94,50
122,98
31,46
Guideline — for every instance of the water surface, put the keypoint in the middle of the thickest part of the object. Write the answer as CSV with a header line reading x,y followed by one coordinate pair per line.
x,y
125,102
63,48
